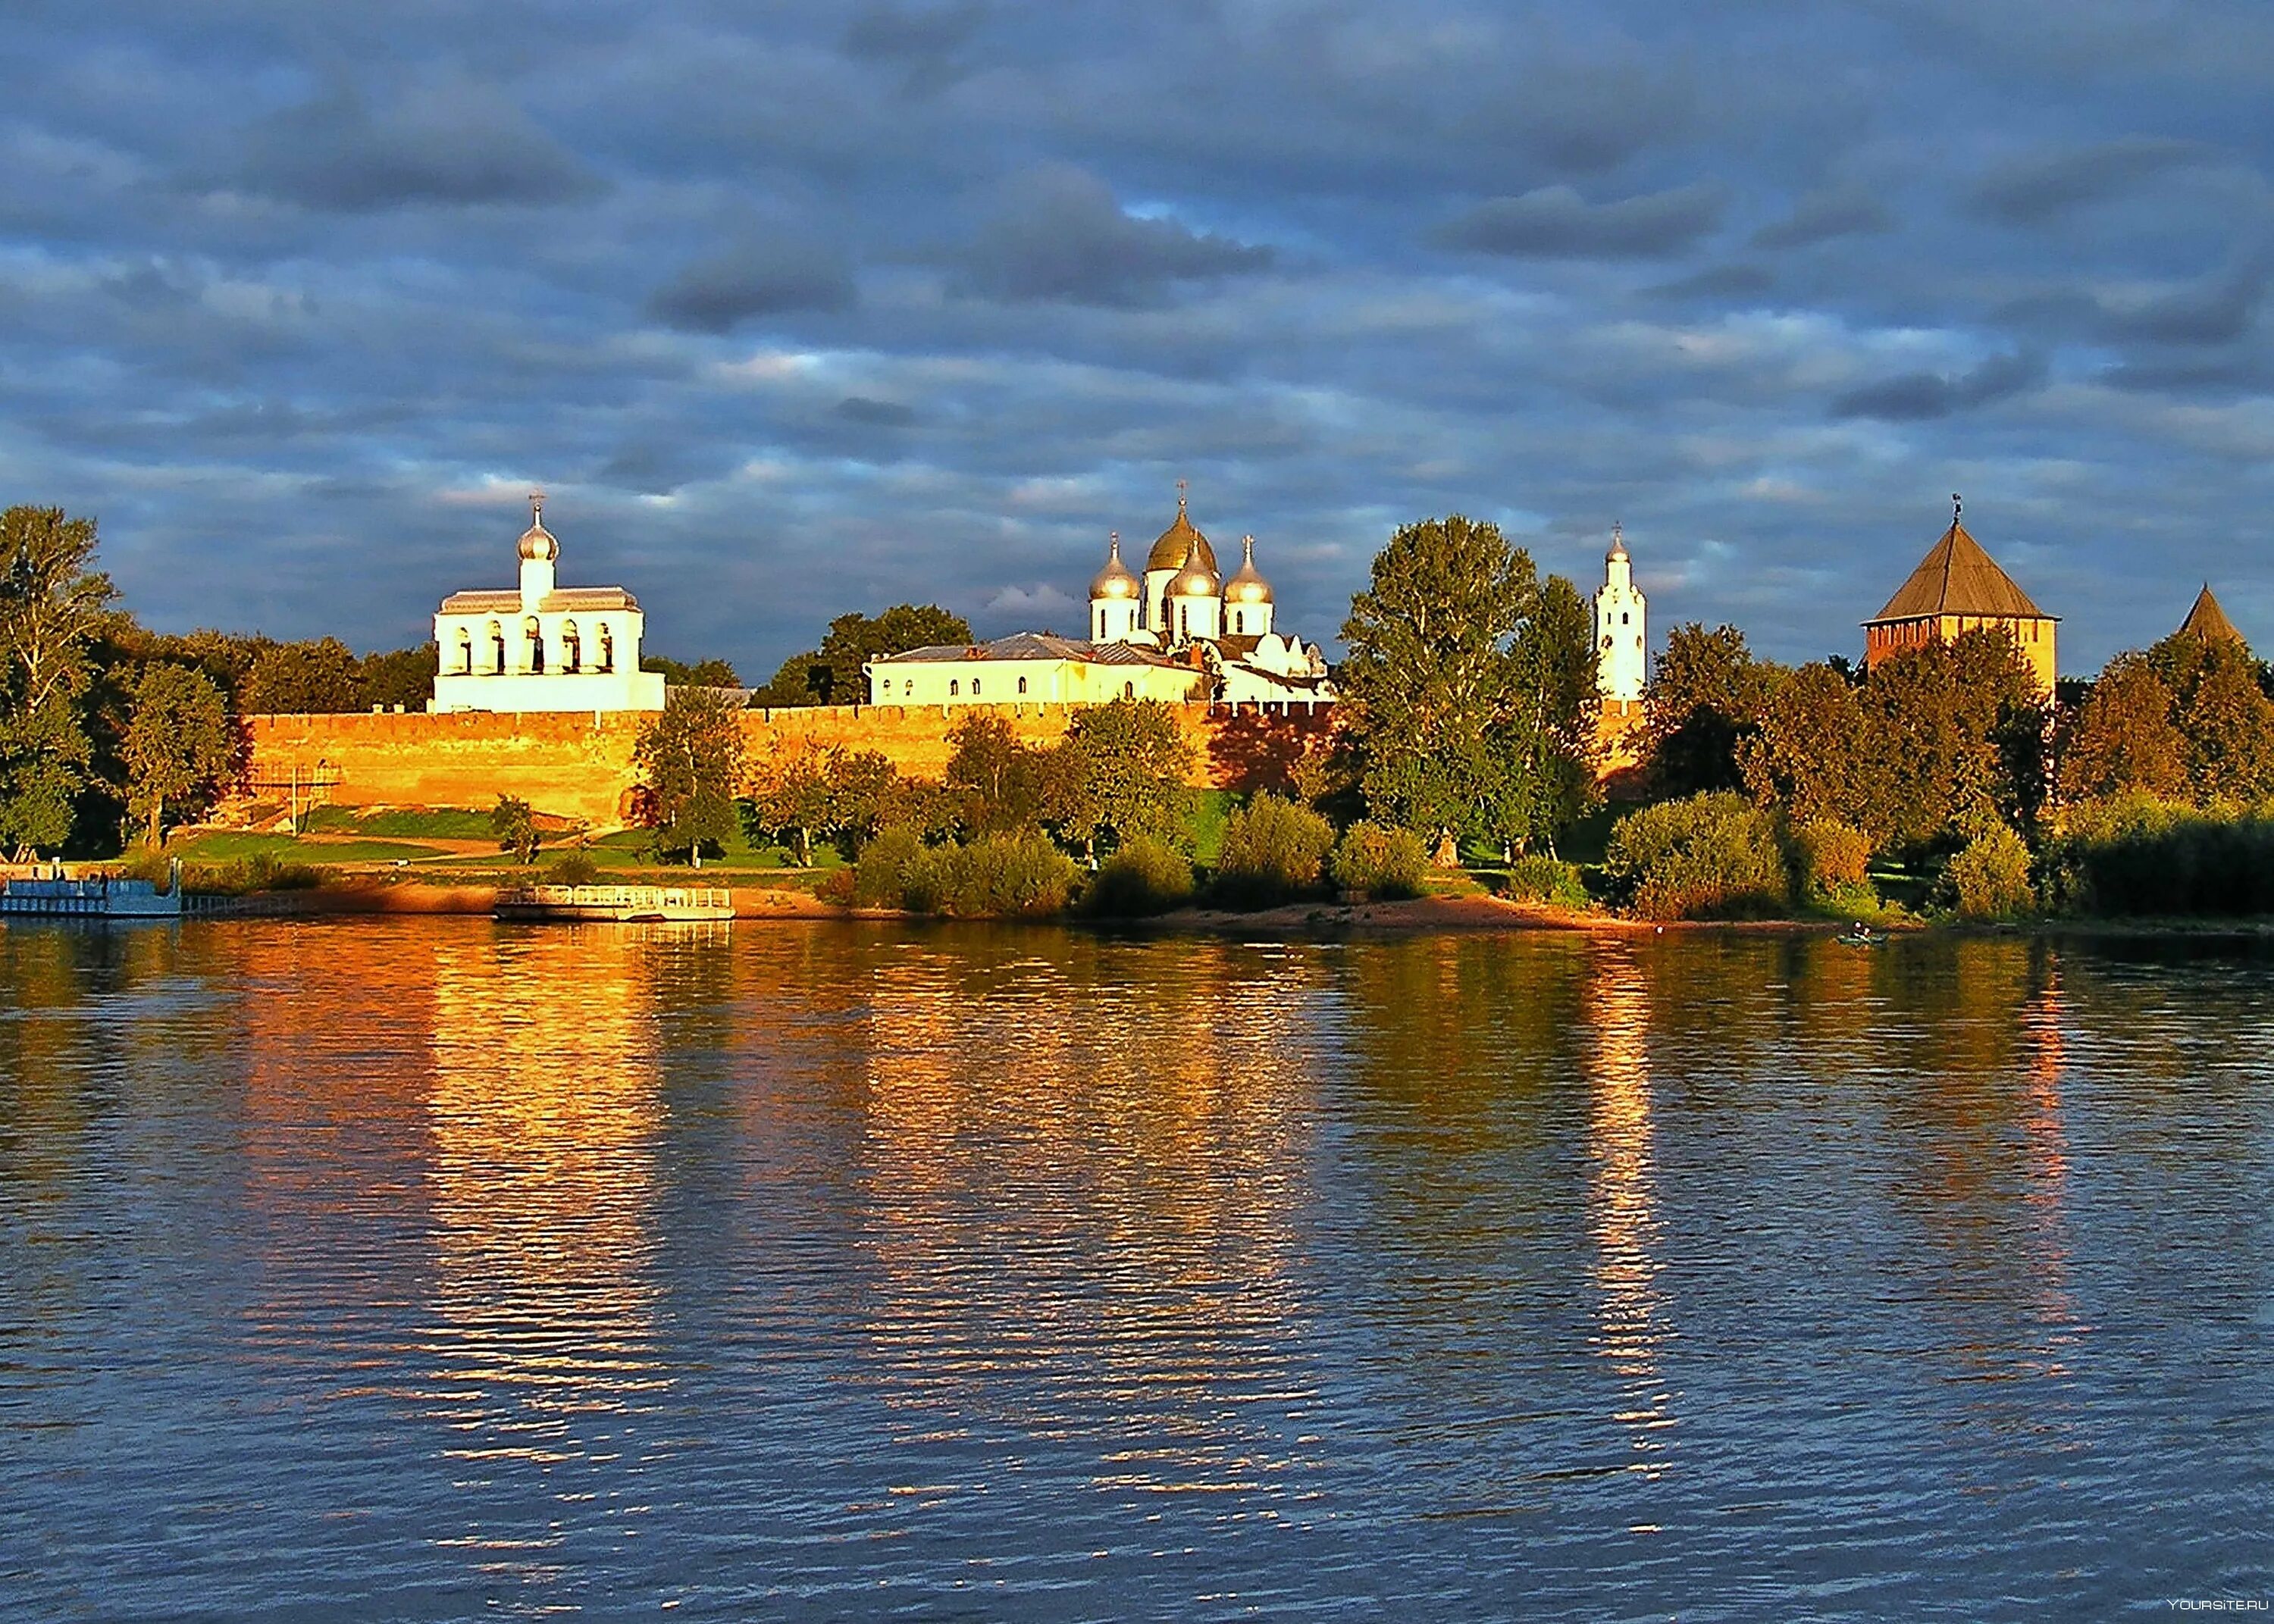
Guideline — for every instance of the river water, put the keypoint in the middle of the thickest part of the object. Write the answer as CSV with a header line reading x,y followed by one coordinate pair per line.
x,y
433,1268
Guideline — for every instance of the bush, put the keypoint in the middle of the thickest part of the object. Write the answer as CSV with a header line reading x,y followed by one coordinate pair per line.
x,y
1989,878
1000,876
996,876
1273,849
1828,854
1542,878
1144,877
880,875
572,869
260,872
2135,854
1382,862
1708,856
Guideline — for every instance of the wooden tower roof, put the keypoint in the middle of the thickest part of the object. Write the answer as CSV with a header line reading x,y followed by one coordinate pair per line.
x,y
1958,577
2209,621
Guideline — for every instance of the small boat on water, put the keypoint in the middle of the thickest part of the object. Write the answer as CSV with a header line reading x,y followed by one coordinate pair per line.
x,y
53,896
618,905
1862,935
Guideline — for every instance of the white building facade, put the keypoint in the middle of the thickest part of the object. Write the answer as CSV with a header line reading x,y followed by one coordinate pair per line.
x,y
1622,650
542,646
1179,632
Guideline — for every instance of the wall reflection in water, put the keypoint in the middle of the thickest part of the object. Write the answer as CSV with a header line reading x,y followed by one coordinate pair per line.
x,y
544,1112
1083,1174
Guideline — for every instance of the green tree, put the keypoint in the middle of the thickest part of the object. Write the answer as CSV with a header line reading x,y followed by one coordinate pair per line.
x,y
514,825
2222,711
303,679
702,674
1551,730
999,785
1121,773
832,675
843,795
394,677
1806,754
689,756
52,602
1429,692
2122,738
1955,735
853,640
799,681
1706,698
179,749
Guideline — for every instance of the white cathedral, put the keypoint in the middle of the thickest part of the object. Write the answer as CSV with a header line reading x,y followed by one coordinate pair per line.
x,y
1180,632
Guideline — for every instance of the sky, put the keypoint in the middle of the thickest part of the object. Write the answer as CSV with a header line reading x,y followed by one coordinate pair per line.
x,y
801,308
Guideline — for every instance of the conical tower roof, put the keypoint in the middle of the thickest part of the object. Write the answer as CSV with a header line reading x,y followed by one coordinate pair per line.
x,y
1958,577
2209,621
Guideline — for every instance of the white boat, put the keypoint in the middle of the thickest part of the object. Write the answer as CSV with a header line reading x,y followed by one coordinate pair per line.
x,y
616,904
54,896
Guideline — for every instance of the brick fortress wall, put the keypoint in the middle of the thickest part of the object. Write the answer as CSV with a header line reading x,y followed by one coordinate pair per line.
x,y
580,765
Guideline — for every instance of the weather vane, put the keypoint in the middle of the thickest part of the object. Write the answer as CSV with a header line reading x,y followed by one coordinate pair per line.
x,y
1956,507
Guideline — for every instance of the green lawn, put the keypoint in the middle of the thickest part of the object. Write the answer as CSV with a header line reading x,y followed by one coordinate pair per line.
x,y
402,823
228,846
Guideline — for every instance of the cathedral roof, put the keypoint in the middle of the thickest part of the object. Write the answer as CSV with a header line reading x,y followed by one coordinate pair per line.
x,y
1958,577
1247,585
1115,579
561,600
1027,646
1175,542
537,542
2209,621
1197,578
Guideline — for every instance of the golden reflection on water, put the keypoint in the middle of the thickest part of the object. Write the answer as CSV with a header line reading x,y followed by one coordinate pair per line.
x,y
1082,1184
1622,1202
544,1111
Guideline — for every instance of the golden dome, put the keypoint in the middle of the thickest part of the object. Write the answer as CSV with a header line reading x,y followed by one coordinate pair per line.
x,y
1114,581
1197,577
537,542
1247,585
1618,543
1177,542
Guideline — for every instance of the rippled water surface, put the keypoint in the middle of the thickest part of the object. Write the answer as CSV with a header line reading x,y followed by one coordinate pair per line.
x,y
430,1269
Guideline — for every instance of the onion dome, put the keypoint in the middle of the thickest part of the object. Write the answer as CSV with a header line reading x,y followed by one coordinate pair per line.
x,y
1115,579
1618,552
1196,577
1169,552
537,542
1247,585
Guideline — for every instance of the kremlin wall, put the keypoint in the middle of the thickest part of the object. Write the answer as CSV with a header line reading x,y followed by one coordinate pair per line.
x,y
579,765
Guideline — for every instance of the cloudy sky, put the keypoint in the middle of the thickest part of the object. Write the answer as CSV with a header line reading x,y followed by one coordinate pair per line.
x,y
802,308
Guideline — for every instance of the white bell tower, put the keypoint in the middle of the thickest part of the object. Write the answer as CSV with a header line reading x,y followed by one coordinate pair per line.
x,y
1622,653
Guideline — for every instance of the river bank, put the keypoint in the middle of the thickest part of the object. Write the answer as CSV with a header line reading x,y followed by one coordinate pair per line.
x,y
1474,912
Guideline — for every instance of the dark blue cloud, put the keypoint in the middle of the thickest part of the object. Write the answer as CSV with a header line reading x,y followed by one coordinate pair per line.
x,y
1554,223
804,308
